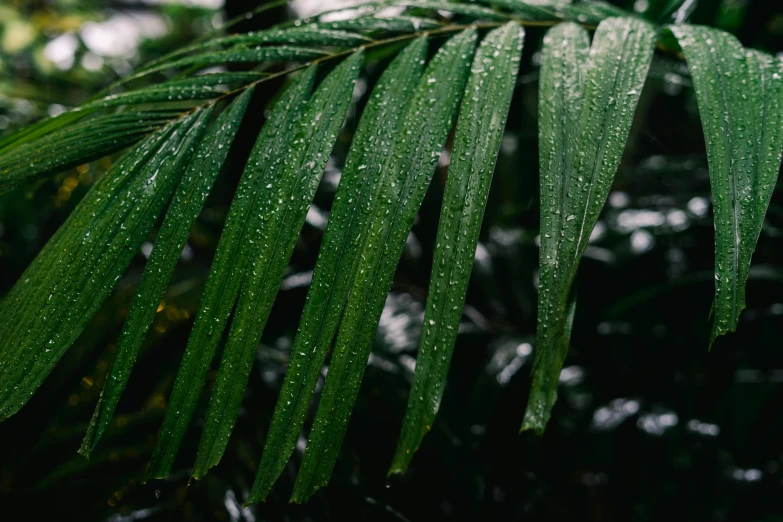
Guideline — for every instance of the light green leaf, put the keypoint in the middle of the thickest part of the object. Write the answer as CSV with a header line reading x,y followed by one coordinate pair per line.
x,y
480,126
237,244
586,108
284,206
740,114
400,23
474,11
338,257
190,196
74,273
527,10
592,12
425,128
308,34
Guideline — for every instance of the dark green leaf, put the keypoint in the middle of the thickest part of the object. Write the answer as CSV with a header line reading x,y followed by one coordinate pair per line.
x,y
401,23
474,11
480,126
425,128
74,273
206,86
527,10
73,145
236,245
582,138
190,196
240,54
370,153
740,114
284,206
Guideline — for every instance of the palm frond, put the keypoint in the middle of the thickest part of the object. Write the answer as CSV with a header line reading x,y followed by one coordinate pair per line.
x,y
179,132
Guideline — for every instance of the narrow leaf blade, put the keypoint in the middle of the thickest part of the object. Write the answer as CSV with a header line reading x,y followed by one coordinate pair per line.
x,y
738,124
72,276
477,141
575,185
227,272
425,127
337,259
185,207
285,208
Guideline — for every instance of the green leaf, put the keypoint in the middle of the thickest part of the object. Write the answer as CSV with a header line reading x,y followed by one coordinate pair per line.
x,y
527,10
39,129
74,145
400,23
240,54
308,34
766,80
284,206
74,273
586,108
338,257
311,34
740,114
205,86
188,200
236,245
591,12
425,127
473,11
480,126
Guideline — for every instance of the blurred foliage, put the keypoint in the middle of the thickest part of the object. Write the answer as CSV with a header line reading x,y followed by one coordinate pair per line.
x,y
649,424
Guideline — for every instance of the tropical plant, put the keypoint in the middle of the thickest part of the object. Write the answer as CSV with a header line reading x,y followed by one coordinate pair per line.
x,y
452,67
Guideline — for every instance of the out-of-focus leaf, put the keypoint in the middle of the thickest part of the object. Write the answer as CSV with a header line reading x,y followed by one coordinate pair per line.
x,y
237,244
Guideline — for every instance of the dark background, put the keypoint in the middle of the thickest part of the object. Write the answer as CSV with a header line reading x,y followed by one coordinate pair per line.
x,y
650,425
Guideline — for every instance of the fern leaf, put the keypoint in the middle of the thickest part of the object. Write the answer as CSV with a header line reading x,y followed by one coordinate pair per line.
x,y
741,123
424,130
190,196
477,141
72,276
370,153
236,245
581,142
285,207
